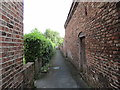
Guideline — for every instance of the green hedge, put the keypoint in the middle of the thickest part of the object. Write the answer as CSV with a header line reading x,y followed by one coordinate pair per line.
x,y
37,46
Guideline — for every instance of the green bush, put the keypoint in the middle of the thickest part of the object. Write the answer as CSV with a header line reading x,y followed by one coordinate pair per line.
x,y
45,68
37,46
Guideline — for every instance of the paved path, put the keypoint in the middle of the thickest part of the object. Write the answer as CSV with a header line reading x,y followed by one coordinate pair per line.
x,y
59,75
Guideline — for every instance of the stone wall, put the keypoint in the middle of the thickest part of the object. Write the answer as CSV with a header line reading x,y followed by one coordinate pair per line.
x,y
28,75
11,44
99,25
38,65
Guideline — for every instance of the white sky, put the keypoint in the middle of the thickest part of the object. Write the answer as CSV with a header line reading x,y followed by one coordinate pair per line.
x,y
43,14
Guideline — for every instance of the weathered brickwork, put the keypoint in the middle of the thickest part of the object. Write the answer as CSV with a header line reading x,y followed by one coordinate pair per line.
x,y
11,44
100,24
28,75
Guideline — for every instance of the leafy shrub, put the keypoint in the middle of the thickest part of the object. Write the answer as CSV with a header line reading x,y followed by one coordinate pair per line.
x,y
37,46
45,68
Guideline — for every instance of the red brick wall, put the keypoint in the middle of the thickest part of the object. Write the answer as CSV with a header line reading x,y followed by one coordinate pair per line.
x,y
11,44
101,24
28,75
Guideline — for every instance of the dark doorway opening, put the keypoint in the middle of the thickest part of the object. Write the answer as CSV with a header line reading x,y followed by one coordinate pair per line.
x,y
82,62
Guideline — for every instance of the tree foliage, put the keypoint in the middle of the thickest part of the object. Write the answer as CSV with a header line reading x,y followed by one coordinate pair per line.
x,y
53,36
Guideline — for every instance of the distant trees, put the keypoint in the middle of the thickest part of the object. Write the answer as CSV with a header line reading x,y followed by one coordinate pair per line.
x,y
53,36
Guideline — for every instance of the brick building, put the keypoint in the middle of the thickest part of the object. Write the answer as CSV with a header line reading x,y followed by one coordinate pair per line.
x,y
92,42
11,43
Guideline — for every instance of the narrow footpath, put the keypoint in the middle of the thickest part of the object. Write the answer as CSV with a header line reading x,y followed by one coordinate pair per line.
x,y
59,75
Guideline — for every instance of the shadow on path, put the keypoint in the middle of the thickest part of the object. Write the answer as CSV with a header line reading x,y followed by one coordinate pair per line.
x,y
59,76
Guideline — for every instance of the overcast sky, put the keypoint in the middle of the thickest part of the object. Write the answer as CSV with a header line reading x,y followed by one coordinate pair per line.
x,y
43,14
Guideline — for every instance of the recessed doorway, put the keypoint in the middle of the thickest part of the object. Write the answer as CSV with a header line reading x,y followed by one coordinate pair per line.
x,y
82,61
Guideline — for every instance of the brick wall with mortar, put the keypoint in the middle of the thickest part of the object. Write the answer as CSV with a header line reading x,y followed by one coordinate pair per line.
x,y
101,24
11,44
28,75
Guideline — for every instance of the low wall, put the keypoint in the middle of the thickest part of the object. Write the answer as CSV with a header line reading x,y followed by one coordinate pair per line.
x,y
28,73
38,65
